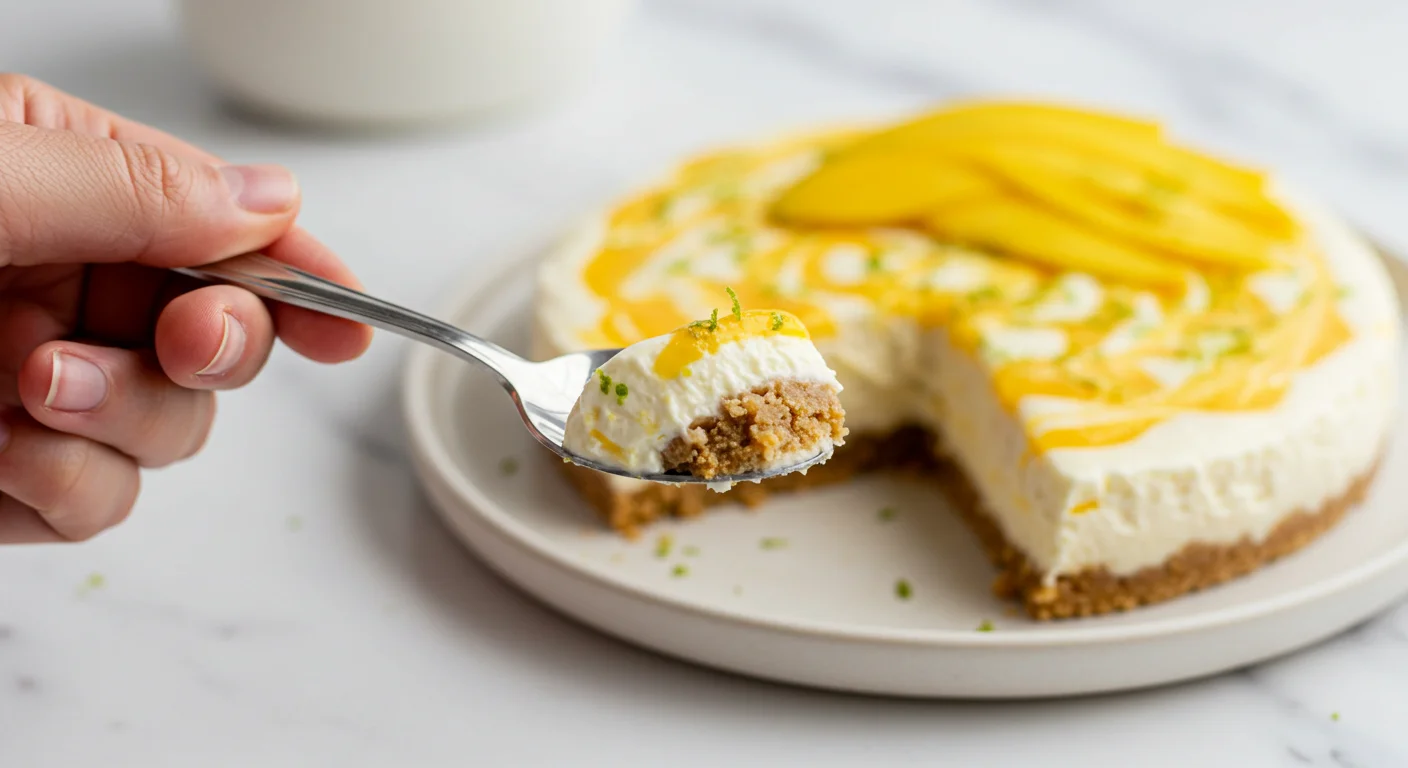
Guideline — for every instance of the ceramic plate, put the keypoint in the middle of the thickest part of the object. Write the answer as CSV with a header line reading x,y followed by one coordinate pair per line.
x,y
804,590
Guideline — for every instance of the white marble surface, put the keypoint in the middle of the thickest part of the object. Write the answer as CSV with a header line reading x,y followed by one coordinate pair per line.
x,y
289,599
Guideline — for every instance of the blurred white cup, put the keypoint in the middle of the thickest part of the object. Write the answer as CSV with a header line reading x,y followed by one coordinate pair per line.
x,y
398,61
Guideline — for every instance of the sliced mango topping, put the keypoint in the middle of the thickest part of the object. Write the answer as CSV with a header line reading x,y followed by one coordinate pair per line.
x,y
1113,184
1084,259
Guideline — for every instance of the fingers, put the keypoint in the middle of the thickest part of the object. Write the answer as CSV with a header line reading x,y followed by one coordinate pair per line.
x,y
316,336
115,397
70,485
68,198
218,337
28,101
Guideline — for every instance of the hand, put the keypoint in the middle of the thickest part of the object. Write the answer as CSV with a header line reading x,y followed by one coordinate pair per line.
x,y
108,361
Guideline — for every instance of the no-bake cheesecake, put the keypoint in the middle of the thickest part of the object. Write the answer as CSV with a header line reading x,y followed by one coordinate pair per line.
x,y
1137,369
734,394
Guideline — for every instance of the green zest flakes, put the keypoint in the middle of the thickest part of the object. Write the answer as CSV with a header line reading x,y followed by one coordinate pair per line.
x,y
690,551
95,581
294,523
678,267
663,545
737,306
1335,716
680,571
886,514
605,381
776,321
903,590
772,543
986,626
983,294
621,391
711,325
508,466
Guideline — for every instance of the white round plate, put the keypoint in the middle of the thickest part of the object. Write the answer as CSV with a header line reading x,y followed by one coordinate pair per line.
x,y
803,590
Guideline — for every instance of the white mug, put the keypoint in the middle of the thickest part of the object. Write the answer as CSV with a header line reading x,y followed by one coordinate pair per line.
x,y
398,61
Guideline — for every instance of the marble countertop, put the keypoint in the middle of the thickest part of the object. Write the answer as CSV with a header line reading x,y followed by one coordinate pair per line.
x,y
289,598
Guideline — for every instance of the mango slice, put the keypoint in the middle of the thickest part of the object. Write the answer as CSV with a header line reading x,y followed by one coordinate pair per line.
x,y
993,119
1155,216
877,189
1018,228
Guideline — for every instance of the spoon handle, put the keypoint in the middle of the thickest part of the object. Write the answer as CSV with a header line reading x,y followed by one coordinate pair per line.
x,y
270,279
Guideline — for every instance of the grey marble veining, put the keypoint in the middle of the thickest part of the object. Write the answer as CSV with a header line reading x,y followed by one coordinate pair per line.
x,y
289,598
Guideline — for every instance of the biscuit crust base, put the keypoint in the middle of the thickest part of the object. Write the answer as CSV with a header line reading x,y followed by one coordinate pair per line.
x,y
756,429
1089,592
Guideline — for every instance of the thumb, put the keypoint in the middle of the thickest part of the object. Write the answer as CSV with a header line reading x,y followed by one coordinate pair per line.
x,y
66,197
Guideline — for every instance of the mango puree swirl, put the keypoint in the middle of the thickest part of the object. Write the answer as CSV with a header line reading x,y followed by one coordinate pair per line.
x,y
1077,255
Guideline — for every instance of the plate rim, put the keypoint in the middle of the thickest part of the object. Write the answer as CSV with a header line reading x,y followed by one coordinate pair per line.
x,y
474,300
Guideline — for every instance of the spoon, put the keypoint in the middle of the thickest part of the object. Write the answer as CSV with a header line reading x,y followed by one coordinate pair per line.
x,y
544,392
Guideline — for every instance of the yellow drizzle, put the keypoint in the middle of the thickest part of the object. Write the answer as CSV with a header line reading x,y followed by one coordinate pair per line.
x,y
692,342
606,442
669,252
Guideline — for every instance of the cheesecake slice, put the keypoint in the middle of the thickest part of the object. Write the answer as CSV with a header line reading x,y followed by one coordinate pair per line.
x,y
1136,370
742,393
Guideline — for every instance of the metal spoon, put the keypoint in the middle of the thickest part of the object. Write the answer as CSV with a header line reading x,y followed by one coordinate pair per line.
x,y
544,392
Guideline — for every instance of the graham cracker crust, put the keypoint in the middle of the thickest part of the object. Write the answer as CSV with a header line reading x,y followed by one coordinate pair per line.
x,y
1089,592
754,430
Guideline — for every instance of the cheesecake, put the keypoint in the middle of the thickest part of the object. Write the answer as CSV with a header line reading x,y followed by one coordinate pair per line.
x,y
1134,368
742,393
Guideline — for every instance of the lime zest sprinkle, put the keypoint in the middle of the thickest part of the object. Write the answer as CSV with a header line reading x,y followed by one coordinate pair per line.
x,y
1335,716
663,545
776,321
605,381
902,589
737,306
886,514
621,391
772,542
680,571
690,551
94,581
294,523
985,626
508,466
711,324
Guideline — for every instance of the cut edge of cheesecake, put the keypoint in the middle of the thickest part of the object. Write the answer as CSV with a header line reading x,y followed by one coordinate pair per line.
x,y
1088,592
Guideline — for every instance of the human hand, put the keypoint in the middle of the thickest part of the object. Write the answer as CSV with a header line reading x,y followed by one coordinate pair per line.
x,y
108,360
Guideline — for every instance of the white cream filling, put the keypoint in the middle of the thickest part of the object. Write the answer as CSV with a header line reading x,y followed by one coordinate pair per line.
x,y
656,410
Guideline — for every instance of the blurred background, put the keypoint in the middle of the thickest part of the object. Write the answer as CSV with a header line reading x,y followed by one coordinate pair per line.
x,y
290,593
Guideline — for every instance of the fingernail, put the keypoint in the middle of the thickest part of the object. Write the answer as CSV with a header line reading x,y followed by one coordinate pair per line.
x,y
75,385
261,188
232,339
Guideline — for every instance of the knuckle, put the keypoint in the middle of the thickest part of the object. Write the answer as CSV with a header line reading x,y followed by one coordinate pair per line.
x,y
159,181
204,425
67,468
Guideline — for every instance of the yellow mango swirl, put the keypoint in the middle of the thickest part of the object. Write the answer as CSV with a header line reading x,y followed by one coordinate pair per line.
x,y
1076,255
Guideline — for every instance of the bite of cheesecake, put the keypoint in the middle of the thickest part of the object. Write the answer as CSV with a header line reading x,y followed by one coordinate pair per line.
x,y
734,394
